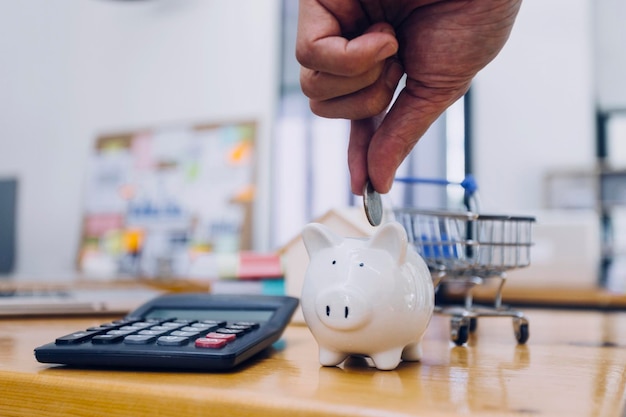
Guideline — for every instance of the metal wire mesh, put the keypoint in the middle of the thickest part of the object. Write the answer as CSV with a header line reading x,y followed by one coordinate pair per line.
x,y
468,244
462,249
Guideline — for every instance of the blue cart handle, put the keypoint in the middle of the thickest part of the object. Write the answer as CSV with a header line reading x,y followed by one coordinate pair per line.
x,y
468,184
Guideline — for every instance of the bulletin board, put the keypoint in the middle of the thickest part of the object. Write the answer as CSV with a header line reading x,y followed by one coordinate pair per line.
x,y
157,198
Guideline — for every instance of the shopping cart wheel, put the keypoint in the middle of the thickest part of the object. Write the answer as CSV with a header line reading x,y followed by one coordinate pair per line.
x,y
459,330
520,326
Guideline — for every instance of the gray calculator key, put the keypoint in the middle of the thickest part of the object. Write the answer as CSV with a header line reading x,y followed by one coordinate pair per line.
x,y
172,340
184,321
139,339
173,325
76,337
121,332
185,333
132,328
190,329
144,324
105,339
239,327
153,332
251,324
161,328
226,330
218,323
204,326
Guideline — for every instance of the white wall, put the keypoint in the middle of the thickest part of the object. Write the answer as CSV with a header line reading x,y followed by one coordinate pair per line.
x,y
72,69
610,53
534,105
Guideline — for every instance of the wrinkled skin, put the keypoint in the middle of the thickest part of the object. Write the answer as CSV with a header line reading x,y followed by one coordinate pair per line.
x,y
353,54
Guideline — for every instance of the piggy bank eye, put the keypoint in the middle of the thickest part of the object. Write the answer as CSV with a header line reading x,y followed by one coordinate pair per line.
x,y
361,264
334,262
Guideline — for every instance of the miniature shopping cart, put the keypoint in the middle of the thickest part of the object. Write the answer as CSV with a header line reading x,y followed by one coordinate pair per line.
x,y
464,249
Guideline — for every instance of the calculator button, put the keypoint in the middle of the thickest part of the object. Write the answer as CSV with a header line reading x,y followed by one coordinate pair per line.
x,y
123,322
172,340
185,322
245,329
214,322
101,328
121,332
144,324
139,339
251,324
172,325
226,330
132,328
204,326
103,339
185,333
153,332
210,343
161,328
215,335
109,325
190,329
76,337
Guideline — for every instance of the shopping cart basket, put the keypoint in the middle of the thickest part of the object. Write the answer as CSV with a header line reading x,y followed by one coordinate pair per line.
x,y
464,249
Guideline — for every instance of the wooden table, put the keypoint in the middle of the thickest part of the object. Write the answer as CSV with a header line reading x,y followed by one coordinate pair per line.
x,y
573,365
561,297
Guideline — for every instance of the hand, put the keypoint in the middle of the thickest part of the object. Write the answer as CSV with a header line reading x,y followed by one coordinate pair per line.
x,y
354,52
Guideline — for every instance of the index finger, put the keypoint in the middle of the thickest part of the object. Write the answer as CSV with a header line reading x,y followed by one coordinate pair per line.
x,y
405,123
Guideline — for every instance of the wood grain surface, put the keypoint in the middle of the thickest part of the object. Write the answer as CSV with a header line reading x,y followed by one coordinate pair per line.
x,y
573,365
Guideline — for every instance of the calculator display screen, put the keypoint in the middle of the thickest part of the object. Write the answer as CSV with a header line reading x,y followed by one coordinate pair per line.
x,y
211,314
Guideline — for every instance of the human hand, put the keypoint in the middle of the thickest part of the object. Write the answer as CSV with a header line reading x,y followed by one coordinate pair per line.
x,y
354,52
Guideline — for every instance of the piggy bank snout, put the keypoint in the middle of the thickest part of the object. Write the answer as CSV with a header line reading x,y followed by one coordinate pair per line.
x,y
342,309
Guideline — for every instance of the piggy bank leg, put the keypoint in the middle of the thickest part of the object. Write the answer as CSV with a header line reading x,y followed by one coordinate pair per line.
x,y
387,360
330,357
412,352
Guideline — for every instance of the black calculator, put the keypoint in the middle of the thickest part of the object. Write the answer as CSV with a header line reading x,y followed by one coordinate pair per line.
x,y
189,331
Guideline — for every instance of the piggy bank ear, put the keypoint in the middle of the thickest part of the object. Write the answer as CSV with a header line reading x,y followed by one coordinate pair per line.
x,y
391,237
317,236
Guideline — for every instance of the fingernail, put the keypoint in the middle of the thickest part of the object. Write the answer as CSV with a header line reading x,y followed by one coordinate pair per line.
x,y
385,28
393,74
384,187
386,51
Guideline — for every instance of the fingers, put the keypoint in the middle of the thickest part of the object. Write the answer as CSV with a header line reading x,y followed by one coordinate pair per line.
x,y
322,18
335,54
339,40
321,86
351,69
361,131
334,67
356,88
366,101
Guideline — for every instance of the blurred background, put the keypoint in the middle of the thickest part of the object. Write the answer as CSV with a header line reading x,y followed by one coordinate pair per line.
x,y
154,87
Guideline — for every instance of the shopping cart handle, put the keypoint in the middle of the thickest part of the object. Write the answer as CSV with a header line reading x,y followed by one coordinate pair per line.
x,y
468,184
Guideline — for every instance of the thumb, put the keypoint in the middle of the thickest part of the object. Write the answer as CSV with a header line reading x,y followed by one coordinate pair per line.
x,y
406,122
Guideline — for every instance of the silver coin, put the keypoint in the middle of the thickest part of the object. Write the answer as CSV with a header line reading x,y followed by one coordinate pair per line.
x,y
373,205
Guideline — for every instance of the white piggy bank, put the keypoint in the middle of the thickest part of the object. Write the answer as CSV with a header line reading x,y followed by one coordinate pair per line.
x,y
372,297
